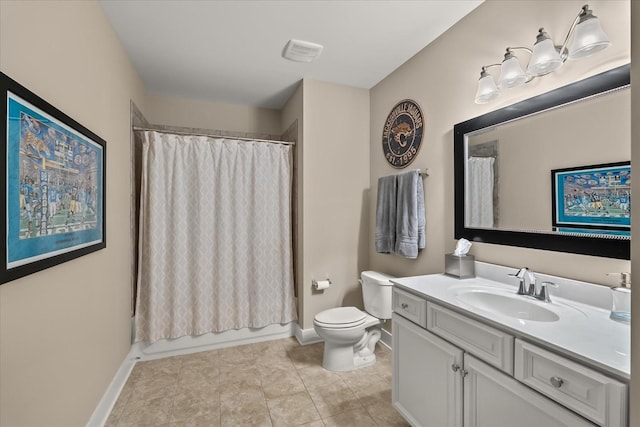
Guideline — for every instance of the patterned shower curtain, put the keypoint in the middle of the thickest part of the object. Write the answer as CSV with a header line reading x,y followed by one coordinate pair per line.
x,y
479,205
215,236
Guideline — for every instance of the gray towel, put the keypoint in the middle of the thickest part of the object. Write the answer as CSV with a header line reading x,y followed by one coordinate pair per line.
x,y
386,215
410,217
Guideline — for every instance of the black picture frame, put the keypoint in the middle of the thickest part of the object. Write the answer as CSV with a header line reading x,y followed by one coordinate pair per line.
x,y
614,79
53,185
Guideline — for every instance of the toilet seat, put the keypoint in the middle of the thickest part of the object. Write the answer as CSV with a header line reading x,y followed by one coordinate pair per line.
x,y
341,318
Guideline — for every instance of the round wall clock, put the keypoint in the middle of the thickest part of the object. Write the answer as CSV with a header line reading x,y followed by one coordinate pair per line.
x,y
402,133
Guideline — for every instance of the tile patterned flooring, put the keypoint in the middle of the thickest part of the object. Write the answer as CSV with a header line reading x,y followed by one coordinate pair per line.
x,y
273,383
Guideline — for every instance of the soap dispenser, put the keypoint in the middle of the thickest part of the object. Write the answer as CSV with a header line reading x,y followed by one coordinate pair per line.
x,y
621,299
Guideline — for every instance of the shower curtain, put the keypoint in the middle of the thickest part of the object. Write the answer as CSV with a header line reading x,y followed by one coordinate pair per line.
x,y
479,206
215,236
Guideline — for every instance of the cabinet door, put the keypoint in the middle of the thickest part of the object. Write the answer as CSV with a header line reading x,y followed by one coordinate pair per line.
x,y
427,385
493,399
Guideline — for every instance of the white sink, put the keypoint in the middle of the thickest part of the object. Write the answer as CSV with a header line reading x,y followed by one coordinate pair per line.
x,y
516,306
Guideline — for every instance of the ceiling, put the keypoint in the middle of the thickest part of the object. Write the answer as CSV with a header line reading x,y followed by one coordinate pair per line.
x,y
231,51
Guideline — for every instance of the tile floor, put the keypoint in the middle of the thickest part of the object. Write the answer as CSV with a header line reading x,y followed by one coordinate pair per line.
x,y
273,383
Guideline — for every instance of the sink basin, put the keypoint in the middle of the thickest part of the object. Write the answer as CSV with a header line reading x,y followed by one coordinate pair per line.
x,y
518,307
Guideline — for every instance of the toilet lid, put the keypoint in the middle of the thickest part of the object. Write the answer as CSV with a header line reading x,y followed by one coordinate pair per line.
x,y
341,316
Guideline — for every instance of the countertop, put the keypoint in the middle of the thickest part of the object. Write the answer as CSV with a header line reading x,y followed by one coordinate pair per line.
x,y
584,332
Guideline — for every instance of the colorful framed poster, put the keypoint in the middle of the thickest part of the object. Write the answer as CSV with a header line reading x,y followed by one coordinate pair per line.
x,y
596,198
53,185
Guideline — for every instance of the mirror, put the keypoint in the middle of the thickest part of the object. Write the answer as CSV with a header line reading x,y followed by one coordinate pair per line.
x,y
506,161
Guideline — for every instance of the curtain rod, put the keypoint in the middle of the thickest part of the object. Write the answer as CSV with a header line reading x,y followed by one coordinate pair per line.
x,y
271,141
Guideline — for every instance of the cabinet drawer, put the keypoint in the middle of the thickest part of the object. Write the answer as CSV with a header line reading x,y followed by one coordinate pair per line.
x,y
586,391
410,306
491,345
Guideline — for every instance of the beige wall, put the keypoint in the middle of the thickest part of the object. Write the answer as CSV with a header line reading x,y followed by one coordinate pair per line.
x,y
442,78
62,337
334,189
172,111
635,213
64,331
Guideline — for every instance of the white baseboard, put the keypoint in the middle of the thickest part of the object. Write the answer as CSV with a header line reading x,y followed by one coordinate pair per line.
x,y
211,341
179,346
110,396
386,338
307,336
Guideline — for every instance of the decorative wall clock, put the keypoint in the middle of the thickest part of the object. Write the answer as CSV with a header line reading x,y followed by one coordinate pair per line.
x,y
402,133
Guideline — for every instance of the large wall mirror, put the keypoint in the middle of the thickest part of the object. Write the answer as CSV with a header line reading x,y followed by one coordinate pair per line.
x,y
504,160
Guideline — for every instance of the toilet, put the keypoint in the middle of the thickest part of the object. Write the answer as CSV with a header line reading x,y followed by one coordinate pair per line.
x,y
350,334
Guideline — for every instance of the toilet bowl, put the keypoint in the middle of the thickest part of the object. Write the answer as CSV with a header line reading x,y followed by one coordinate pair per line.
x,y
350,334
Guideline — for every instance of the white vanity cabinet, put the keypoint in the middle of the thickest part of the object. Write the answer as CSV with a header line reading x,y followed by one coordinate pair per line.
x,y
595,396
494,399
450,371
427,385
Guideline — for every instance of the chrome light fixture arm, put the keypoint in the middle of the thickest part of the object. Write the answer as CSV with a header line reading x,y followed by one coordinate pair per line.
x,y
584,14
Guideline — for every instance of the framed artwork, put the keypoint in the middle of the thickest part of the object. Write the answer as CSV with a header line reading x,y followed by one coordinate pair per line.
x,y
403,133
592,199
53,185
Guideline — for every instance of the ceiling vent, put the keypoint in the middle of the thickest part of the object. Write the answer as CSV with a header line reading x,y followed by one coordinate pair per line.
x,y
301,51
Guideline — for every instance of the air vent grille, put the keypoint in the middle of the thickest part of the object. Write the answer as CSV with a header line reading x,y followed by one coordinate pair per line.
x,y
301,51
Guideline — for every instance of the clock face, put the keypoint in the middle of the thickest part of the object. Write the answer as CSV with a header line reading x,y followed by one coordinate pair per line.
x,y
402,133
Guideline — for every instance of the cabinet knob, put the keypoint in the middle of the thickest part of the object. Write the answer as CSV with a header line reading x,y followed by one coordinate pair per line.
x,y
556,381
455,367
404,305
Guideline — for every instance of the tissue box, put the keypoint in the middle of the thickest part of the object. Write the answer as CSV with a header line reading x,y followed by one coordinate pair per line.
x,y
462,267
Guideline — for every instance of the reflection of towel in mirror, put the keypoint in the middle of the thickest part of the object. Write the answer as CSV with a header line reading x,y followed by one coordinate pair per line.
x,y
386,215
410,216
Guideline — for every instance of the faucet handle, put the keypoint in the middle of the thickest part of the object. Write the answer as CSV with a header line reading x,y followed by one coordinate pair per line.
x,y
520,273
543,293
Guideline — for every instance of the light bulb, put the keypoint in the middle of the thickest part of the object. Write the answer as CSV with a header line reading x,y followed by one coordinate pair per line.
x,y
545,58
511,73
487,89
588,37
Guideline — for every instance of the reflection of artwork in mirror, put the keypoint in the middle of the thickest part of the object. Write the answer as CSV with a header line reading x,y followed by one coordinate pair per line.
x,y
592,199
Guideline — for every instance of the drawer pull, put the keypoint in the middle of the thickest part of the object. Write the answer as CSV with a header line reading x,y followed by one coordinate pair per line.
x,y
455,367
556,381
404,305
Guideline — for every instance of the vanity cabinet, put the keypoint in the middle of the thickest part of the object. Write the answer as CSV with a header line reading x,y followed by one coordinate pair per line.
x,y
455,371
427,385
584,390
494,399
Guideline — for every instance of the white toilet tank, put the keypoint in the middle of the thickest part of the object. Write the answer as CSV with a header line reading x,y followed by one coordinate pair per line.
x,y
376,294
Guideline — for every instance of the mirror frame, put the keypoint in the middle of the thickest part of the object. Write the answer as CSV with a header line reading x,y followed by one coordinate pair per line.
x,y
614,79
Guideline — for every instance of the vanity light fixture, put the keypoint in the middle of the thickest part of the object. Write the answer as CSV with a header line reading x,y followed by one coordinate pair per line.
x,y
546,57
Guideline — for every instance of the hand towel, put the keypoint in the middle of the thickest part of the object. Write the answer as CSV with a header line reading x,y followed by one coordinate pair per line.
x,y
386,215
410,216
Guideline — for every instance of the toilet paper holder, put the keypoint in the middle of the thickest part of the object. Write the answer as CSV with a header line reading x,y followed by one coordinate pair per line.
x,y
321,285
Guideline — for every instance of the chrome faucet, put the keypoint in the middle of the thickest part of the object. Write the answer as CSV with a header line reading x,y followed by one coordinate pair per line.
x,y
522,276
527,285
543,293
